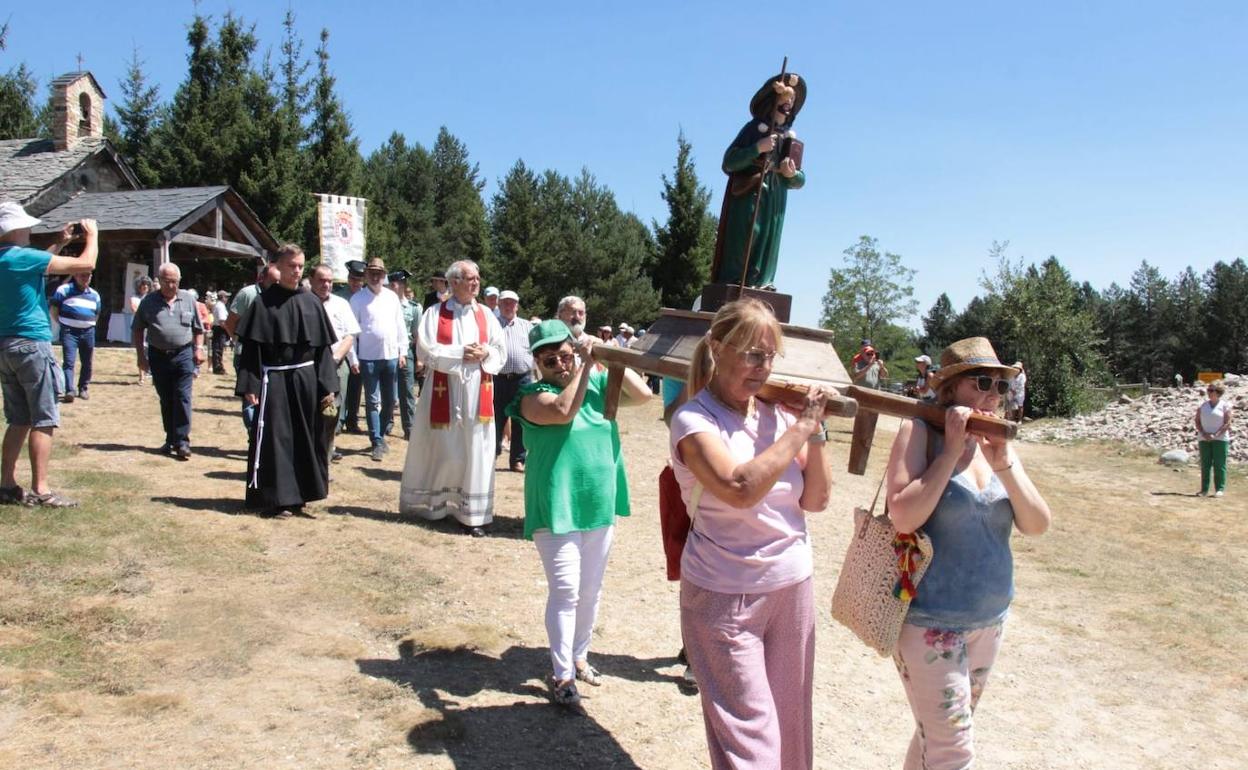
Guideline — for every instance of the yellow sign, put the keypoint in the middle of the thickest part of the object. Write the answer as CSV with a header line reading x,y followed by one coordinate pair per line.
x,y
1208,376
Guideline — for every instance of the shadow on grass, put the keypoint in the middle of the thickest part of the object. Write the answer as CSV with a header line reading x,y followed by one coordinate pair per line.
x,y
1174,494
219,412
524,734
227,475
207,451
232,506
503,526
381,474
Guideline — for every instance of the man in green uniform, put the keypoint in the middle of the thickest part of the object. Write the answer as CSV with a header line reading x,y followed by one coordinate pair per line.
x,y
406,378
762,154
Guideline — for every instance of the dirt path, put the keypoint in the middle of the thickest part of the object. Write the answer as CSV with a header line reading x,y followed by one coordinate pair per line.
x,y
210,638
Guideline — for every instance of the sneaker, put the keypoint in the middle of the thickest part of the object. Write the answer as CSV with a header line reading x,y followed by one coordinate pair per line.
x,y
83,394
563,693
1218,493
377,453
182,452
1202,493
336,457
688,677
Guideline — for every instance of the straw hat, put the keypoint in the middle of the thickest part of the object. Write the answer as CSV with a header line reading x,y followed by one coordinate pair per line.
x,y
970,353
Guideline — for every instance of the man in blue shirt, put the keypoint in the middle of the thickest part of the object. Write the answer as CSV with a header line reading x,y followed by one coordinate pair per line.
x,y
76,307
29,376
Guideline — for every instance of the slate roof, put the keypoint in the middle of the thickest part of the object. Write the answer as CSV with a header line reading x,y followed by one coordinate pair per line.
x,y
130,209
71,77
27,166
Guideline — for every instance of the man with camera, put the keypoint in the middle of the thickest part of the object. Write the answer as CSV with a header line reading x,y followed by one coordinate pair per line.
x,y
29,377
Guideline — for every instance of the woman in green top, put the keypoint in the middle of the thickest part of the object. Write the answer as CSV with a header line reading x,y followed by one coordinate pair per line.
x,y
574,487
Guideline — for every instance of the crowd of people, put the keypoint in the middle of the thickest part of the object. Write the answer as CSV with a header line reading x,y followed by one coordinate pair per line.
x,y
466,374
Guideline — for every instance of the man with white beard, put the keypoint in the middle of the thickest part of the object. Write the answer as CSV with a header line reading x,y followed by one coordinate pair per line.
x,y
571,311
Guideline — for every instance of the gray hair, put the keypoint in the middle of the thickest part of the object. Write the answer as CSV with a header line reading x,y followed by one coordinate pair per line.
x,y
456,270
170,269
568,301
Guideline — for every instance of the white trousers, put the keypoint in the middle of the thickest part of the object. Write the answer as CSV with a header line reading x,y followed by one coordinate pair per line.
x,y
575,564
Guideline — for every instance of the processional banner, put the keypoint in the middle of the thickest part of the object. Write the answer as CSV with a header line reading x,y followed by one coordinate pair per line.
x,y
342,221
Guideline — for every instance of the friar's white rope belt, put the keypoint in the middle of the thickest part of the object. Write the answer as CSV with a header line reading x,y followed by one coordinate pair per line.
x,y
264,398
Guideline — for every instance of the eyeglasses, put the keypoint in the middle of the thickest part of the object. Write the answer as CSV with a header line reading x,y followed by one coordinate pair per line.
x,y
985,383
549,362
756,357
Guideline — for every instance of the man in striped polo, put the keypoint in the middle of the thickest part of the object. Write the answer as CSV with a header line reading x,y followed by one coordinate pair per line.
x,y
76,307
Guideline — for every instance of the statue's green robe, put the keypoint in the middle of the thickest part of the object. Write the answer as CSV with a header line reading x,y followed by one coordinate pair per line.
x,y
743,165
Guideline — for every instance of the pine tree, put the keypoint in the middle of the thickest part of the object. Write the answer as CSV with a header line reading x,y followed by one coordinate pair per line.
x,y
937,324
1150,341
514,219
458,212
1226,316
398,182
19,116
332,153
686,243
137,117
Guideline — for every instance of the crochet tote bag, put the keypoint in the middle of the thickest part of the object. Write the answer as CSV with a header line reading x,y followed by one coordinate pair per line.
x,y
878,579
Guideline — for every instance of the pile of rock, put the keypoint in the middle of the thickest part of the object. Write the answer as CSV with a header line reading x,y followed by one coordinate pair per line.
x,y
1163,420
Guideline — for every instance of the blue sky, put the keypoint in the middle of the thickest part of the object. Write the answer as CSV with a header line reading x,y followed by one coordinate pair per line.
x,y
1104,133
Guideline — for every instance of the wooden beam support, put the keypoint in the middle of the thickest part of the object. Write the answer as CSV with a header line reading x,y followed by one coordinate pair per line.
x,y
229,247
615,384
201,211
246,231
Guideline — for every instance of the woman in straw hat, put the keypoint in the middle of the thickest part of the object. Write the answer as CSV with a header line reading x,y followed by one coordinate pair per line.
x,y
967,493
748,471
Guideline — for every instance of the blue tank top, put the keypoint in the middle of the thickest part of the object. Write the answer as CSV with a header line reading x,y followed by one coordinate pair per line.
x,y
970,581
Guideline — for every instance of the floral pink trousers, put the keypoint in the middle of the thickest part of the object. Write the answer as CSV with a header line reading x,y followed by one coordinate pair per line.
x,y
944,673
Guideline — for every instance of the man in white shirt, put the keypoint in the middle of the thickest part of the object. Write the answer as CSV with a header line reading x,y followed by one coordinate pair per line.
x,y
515,374
382,349
342,318
491,299
625,338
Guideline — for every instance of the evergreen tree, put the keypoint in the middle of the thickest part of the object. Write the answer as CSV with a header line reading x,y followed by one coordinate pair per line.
x,y
937,324
686,244
398,182
1110,311
331,154
1226,316
870,293
458,212
1148,310
1186,322
19,116
514,220
137,116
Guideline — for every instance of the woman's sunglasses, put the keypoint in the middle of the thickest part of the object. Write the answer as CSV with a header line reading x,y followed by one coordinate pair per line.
x,y
550,361
985,383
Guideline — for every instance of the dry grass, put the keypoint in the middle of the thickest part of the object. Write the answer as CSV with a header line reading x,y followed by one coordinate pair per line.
x,y
156,609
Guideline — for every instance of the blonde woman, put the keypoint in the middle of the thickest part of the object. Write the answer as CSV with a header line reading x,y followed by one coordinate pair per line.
x,y
746,600
967,493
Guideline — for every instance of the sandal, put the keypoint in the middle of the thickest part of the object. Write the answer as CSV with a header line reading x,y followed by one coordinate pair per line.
x,y
589,675
563,693
50,500
14,495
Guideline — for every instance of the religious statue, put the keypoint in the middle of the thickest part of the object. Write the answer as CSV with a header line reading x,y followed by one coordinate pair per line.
x,y
763,163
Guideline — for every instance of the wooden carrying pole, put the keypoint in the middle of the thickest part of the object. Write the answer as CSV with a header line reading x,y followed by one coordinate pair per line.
x,y
873,403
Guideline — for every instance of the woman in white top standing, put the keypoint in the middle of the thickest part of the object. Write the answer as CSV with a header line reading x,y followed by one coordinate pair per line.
x,y
1213,423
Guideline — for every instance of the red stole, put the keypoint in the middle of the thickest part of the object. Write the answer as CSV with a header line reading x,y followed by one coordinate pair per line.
x,y
440,408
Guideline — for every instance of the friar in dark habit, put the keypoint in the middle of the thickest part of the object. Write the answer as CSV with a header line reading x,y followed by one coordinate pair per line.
x,y
287,369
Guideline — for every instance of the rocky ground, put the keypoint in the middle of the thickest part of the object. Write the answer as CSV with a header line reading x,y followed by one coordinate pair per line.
x,y
1161,420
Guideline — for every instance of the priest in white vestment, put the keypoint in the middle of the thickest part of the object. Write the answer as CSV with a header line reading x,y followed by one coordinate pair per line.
x,y
450,459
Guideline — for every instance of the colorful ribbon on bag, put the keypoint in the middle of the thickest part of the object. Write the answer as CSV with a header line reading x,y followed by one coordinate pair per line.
x,y
908,557
440,408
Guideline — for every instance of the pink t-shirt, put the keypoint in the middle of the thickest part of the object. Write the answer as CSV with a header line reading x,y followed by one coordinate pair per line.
x,y
742,550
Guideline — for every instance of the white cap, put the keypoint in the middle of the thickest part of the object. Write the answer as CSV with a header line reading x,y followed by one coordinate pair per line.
x,y
925,359
14,217
509,294
491,291
625,327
